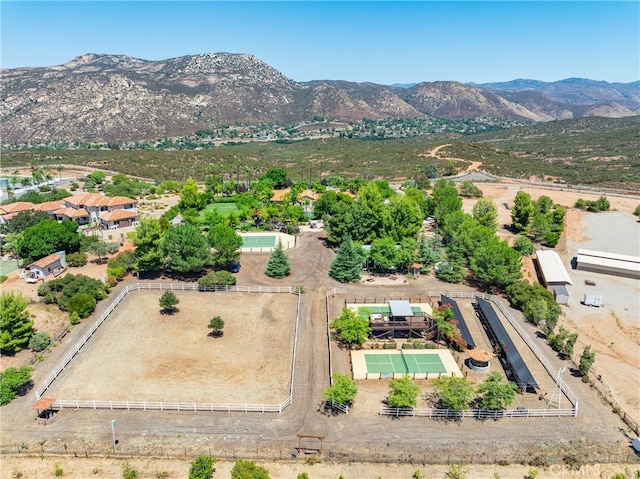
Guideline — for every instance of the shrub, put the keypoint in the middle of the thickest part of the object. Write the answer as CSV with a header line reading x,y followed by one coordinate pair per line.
x,y
74,318
39,341
216,278
82,304
523,245
202,467
77,259
57,471
113,247
128,471
3,278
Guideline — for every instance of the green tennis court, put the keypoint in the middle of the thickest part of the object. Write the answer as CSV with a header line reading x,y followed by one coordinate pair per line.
x,y
404,363
262,241
7,266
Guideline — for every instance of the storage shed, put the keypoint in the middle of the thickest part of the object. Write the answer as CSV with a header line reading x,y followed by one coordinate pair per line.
x,y
550,269
561,294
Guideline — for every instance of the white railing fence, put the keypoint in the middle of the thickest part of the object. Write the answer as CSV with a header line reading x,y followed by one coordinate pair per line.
x,y
169,406
476,413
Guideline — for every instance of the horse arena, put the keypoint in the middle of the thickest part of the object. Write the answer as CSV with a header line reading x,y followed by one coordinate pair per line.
x,y
139,354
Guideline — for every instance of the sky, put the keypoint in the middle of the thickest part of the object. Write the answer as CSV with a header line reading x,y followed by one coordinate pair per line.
x,y
375,41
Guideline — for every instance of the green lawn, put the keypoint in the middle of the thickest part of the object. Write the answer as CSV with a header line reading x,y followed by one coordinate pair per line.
x,y
224,209
7,266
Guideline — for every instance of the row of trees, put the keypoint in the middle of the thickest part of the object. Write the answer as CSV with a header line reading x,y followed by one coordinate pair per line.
x,y
458,394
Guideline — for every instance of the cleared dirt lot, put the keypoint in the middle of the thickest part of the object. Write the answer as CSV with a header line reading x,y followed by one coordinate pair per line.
x,y
141,354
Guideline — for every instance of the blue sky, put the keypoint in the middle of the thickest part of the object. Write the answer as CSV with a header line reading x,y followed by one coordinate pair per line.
x,y
381,42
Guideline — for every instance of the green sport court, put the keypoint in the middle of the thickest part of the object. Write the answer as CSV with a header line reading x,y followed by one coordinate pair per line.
x,y
404,363
259,241
7,266
365,311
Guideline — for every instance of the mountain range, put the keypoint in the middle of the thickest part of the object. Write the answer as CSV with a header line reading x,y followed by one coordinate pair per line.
x,y
114,97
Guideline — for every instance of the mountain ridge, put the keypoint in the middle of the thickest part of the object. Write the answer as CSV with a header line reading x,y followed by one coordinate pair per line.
x,y
101,97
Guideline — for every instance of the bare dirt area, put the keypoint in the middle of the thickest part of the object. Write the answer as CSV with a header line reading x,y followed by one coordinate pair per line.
x,y
102,467
140,354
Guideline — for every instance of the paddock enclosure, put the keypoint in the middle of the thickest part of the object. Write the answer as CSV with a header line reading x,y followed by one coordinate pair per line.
x,y
139,354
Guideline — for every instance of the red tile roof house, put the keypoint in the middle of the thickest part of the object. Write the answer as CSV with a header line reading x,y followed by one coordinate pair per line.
x,y
110,212
44,267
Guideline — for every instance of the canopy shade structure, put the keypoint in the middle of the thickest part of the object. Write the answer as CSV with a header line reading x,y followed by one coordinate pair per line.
x,y
523,376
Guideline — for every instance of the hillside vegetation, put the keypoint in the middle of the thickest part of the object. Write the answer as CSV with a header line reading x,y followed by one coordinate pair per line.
x,y
594,151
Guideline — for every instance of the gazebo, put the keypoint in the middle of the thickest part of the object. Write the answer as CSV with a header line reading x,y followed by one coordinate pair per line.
x,y
43,406
479,360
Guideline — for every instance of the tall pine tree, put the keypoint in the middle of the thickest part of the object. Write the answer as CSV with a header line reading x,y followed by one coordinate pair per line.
x,y
15,325
278,265
347,265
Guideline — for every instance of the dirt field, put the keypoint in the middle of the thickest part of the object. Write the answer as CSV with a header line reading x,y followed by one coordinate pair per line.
x,y
141,354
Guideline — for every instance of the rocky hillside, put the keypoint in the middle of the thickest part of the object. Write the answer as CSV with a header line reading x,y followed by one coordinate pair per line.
x,y
109,97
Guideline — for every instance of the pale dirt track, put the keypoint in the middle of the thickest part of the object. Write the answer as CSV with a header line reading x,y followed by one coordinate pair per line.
x,y
347,438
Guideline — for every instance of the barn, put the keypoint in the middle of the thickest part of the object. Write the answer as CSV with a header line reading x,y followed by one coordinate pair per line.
x,y
609,263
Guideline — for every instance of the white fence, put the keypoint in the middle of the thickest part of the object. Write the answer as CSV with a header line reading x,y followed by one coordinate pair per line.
x,y
170,406
476,413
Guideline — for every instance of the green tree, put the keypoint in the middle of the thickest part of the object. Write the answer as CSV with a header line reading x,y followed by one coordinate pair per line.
x,y
186,249
12,380
226,244
428,251
405,218
496,264
81,303
278,265
523,245
587,359
47,237
343,390
637,211
522,211
26,219
384,253
277,177
148,240
244,469
347,265
485,212
303,475
15,325
403,393
189,196
202,467
216,325
495,394
97,177
352,329
449,271
168,302
455,393
98,249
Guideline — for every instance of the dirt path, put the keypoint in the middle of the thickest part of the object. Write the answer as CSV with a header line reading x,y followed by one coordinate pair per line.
x,y
435,153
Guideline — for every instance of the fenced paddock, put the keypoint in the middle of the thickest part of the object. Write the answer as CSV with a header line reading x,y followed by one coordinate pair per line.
x,y
138,359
